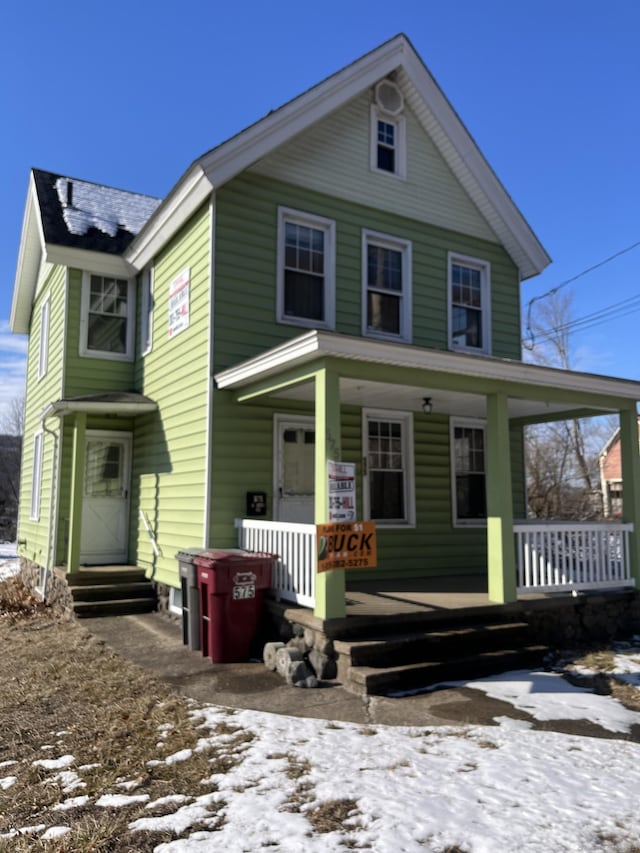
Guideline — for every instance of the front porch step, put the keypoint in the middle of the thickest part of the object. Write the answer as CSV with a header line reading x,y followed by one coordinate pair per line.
x,y
407,677
458,649
114,607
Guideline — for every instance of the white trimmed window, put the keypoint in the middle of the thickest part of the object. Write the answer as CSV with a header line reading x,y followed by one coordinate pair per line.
x,y
388,470
36,477
386,286
146,311
469,304
107,320
468,472
388,143
306,269
43,355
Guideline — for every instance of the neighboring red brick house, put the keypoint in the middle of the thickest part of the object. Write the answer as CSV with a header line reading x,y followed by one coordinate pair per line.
x,y
611,477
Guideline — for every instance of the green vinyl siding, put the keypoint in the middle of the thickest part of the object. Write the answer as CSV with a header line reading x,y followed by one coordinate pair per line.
x,y
40,391
246,270
170,446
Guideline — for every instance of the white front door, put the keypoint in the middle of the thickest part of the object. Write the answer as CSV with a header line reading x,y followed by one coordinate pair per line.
x,y
295,440
105,504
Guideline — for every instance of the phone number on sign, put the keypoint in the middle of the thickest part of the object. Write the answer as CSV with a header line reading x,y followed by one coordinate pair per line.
x,y
349,564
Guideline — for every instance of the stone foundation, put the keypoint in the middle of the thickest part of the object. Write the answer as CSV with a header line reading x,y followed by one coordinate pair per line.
x,y
56,593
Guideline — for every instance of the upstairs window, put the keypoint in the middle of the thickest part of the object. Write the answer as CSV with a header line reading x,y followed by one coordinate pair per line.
x,y
388,142
43,355
306,269
146,311
388,488
386,265
107,317
468,467
469,304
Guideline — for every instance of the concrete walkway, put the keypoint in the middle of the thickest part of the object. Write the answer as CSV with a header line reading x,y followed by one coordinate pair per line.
x,y
154,642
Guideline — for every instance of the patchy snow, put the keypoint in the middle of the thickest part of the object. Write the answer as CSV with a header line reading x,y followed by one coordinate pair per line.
x,y
478,789
548,696
86,205
55,763
55,832
7,782
9,564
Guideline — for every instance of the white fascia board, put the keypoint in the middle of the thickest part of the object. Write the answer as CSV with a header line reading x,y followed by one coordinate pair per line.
x,y
183,201
259,139
29,265
85,259
61,408
327,345
510,225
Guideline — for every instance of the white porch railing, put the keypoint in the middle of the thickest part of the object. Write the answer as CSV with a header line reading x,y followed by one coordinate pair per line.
x,y
295,544
559,556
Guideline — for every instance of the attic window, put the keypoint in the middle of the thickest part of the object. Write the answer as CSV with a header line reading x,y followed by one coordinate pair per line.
x,y
388,142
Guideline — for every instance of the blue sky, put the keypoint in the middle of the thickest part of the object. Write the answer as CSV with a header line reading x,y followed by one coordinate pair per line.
x,y
129,94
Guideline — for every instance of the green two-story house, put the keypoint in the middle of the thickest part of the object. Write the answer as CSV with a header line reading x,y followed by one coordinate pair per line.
x,y
340,281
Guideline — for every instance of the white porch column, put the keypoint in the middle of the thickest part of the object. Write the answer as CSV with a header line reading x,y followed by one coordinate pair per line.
x,y
501,561
330,586
631,485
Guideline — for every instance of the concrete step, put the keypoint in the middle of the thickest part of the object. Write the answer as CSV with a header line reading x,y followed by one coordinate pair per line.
x,y
114,607
421,646
392,679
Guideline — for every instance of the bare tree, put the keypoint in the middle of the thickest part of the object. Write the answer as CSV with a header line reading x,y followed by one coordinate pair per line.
x,y
561,457
11,431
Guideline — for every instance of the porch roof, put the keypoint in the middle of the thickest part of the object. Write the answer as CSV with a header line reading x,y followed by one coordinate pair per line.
x,y
119,403
392,375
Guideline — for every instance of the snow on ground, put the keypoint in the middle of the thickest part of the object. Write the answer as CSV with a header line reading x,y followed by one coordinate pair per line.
x,y
8,560
473,789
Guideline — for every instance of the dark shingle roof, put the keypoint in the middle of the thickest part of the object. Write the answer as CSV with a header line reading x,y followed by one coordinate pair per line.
x,y
83,215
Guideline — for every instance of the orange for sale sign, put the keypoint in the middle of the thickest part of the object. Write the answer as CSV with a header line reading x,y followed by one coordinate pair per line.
x,y
346,545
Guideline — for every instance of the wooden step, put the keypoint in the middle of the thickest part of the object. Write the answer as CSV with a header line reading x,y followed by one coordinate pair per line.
x,y
114,607
112,591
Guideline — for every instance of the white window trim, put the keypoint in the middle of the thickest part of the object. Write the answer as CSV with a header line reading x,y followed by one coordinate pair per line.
x,y
146,310
36,475
485,267
400,125
404,247
84,351
43,354
288,214
473,423
406,418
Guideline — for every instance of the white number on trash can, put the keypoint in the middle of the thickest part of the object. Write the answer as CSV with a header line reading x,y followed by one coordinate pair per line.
x,y
244,591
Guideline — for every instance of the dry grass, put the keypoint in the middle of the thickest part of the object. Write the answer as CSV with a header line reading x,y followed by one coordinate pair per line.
x,y
332,815
64,693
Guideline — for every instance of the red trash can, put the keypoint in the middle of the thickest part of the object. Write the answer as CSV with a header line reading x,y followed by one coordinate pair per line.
x,y
232,585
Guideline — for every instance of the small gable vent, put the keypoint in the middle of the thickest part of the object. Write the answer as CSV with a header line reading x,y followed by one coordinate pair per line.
x,y
389,98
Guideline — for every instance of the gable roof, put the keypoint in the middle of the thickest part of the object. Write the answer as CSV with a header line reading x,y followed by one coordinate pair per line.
x,y
66,217
118,233
396,57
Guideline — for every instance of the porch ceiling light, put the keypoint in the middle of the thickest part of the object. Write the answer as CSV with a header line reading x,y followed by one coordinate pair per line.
x,y
427,405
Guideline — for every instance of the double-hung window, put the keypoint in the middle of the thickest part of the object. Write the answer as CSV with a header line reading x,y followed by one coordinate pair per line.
x,y
306,269
468,469
388,467
386,286
469,304
146,310
36,476
107,325
43,355
388,131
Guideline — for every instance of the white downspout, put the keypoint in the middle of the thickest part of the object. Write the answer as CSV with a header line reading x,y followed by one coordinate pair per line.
x,y
49,560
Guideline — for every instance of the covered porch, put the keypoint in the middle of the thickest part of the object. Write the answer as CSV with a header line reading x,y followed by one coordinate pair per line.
x,y
331,371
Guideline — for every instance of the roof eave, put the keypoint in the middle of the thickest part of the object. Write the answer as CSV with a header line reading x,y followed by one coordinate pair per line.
x,y
30,258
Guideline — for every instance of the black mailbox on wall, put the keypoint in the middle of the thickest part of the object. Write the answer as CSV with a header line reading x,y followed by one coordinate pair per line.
x,y
256,504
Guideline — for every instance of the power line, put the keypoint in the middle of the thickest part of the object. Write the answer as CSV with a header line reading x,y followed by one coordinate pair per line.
x,y
558,287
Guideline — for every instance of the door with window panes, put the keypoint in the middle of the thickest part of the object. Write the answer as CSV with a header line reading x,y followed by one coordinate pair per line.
x,y
105,505
295,471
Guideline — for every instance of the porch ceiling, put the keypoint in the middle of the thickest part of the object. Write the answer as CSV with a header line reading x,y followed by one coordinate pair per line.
x,y
398,376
